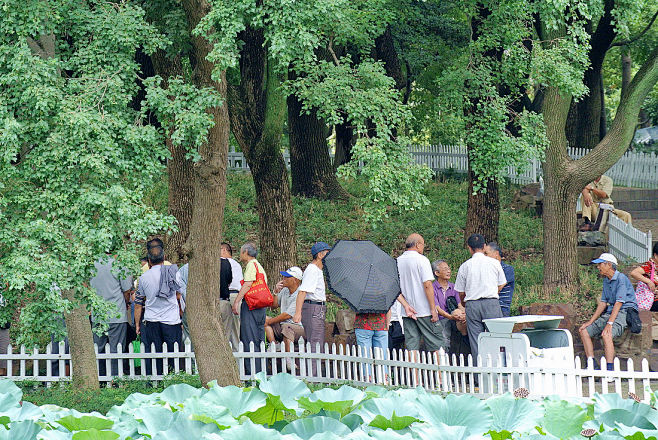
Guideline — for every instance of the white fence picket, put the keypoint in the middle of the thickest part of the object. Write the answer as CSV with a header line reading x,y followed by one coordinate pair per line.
x,y
626,242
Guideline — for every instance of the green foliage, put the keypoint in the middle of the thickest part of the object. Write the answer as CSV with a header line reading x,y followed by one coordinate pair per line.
x,y
74,156
383,414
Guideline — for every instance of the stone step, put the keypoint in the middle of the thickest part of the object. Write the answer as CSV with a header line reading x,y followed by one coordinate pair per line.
x,y
644,214
637,205
620,194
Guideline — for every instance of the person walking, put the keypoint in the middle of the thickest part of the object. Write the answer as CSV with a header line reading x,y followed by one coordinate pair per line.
x,y
478,282
311,306
252,322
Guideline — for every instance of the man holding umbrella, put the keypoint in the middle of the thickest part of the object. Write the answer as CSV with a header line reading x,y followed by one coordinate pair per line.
x,y
312,300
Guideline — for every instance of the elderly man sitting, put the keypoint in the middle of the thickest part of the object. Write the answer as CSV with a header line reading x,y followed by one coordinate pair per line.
x,y
609,319
282,327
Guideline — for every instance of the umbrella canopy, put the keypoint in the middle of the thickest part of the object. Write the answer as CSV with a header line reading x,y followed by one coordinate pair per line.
x,y
363,275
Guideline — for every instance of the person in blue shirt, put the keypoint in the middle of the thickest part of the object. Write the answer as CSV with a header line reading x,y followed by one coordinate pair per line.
x,y
609,319
505,295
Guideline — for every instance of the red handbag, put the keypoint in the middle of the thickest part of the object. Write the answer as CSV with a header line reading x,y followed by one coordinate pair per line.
x,y
258,295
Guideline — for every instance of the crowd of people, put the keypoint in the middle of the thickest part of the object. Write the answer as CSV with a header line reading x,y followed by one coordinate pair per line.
x,y
430,313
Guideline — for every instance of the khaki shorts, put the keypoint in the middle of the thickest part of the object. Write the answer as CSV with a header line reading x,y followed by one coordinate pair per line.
x,y
432,332
287,330
618,327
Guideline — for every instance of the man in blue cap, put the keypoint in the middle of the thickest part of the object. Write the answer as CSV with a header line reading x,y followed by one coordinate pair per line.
x,y
312,299
609,319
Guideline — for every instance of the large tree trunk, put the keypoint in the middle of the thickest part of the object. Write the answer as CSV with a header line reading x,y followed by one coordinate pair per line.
x,y
565,178
212,351
81,342
482,211
310,164
257,111
179,171
345,140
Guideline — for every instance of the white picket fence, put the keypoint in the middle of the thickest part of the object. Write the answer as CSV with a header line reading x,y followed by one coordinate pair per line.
x,y
626,242
633,169
350,364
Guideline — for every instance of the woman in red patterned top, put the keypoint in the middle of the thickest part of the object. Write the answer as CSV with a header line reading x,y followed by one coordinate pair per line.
x,y
644,273
371,331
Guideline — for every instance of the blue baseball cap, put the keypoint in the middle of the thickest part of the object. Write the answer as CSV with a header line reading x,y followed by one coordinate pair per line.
x,y
319,247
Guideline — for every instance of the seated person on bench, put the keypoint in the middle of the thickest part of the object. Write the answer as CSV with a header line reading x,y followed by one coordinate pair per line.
x,y
599,191
609,319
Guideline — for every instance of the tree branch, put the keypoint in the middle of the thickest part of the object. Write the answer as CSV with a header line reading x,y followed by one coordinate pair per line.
x,y
638,36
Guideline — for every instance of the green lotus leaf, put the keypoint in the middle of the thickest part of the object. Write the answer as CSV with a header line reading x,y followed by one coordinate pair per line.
x,y
25,430
385,407
395,423
283,390
196,409
352,421
153,419
621,416
604,403
237,401
126,427
184,428
54,435
511,414
9,392
265,415
342,400
176,394
563,419
467,411
247,431
388,434
440,431
95,434
306,428
85,422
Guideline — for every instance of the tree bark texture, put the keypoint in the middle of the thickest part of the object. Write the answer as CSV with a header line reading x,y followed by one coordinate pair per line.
x,y
482,211
257,111
310,164
179,171
212,351
81,342
345,140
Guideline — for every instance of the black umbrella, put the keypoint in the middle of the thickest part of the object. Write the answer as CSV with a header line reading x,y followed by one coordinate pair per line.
x,y
363,275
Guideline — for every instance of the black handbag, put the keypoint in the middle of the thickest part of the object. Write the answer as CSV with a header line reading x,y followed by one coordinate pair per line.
x,y
633,320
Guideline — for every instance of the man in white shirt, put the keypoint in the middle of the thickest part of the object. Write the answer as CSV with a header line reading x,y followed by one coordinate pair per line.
x,y
420,316
311,306
282,328
230,321
479,280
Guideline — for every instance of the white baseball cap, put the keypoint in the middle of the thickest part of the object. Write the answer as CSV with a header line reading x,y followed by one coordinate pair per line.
x,y
606,257
294,272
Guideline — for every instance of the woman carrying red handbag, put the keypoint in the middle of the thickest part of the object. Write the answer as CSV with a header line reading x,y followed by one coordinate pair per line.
x,y
647,280
257,297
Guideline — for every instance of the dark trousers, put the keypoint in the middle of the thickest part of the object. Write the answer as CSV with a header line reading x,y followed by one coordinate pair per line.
x,y
476,311
395,336
116,334
158,333
313,319
252,329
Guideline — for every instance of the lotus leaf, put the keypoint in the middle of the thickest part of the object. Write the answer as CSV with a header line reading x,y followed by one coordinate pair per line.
x,y
154,419
282,391
467,411
9,392
237,401
199,410
307,427
25,430
184,428
95,434
511,414
248,431
178,393
342,400
395,422
440,431
563,419
385,407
